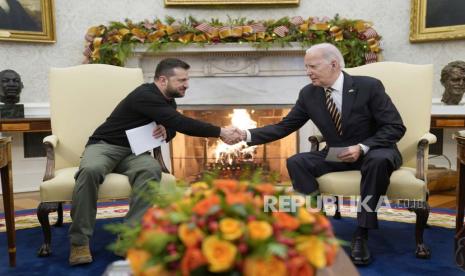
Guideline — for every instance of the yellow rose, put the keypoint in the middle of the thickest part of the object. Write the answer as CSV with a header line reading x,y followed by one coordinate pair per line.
x,y
137,259
305,216
231,229
201,185
189,236
259,230
220,254
264,267
313,249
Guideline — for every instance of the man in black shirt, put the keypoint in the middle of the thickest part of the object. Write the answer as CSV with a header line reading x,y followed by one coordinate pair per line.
x,y
108,149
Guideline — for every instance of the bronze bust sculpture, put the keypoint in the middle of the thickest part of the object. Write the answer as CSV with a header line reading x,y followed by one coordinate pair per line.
x,y
10,88
453,80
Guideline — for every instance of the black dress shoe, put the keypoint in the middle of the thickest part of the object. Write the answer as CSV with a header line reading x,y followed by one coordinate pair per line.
x,y
359,252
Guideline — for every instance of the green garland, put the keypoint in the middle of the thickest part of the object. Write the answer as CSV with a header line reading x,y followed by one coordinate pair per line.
x,y
113,44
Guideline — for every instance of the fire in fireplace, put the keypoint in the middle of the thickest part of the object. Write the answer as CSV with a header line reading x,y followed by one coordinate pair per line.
x,y
191,156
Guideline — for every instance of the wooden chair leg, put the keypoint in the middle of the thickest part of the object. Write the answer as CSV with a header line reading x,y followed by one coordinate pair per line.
x,y
43,210
422,212
337,213
59,221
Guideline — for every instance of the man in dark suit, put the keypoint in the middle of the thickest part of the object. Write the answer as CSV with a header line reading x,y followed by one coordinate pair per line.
x,y
350,111
108,150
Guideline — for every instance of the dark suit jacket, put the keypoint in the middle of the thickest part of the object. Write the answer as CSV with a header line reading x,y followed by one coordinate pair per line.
x,y
368,116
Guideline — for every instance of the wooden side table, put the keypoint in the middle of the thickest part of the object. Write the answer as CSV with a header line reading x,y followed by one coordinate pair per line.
x,y
7,190
459,227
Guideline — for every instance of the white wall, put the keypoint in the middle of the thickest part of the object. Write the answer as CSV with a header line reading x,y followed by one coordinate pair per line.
x,y
32,61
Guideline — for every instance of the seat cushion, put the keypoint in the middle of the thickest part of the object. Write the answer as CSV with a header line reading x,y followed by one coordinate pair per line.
x,y
404,184
115,186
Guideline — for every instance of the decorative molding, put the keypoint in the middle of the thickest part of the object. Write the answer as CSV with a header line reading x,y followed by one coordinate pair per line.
x,y
227,60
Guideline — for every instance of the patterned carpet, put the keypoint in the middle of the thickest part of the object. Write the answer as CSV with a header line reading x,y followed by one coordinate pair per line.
x,y
438,217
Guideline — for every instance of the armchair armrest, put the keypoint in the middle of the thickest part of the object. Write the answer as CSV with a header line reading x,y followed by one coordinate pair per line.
x,y
52,139
315,141
158,155
50,142
422,154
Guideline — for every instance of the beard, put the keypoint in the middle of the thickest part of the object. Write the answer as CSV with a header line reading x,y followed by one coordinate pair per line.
x,y
174,93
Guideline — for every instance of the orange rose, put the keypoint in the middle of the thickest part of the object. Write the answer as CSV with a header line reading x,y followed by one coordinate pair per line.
x,y
231,229
259,230
202,207
299,266
192,259
226,185
189,236
137,259
264,267
265,188
286,221
220,254
238,198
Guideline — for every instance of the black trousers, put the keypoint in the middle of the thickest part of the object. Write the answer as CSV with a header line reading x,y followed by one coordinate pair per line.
x,y
376,168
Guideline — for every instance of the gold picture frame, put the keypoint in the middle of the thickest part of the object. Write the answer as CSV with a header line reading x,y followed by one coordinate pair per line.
x,y
433,20
229,2
30,21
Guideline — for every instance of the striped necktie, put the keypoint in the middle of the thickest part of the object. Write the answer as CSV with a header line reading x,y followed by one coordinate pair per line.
x,y
333,111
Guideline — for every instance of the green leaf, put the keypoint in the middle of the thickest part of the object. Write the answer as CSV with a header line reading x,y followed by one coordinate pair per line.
x,y
177,217
156,243
277,249
239,209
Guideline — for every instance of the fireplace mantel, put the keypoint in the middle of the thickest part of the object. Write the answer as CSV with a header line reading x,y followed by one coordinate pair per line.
x,y
227,60
293,47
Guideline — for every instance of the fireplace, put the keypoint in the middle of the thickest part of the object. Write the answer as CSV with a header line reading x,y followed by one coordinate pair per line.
x,y
191,156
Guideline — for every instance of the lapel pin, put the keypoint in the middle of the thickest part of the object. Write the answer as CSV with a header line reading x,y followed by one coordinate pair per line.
x,y
351,91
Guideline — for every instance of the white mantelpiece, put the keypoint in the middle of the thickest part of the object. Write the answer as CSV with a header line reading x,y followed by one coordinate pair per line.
x,y
234,74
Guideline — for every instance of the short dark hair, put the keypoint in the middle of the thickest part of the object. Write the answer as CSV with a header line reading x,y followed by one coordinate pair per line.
x,y
166,66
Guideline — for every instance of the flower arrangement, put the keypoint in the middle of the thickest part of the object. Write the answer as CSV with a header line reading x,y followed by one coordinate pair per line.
x,y
221,227
112,44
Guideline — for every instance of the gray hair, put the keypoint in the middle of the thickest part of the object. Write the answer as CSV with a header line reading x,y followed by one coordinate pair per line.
x,y
330,52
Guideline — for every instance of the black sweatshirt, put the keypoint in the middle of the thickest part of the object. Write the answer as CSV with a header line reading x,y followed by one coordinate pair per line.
x,y
144,105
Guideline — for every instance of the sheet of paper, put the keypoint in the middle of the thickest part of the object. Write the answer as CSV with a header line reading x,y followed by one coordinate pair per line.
x,y
141,139
333,153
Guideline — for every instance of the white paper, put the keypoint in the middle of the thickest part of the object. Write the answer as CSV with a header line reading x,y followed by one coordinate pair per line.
x,y
334,152
141,139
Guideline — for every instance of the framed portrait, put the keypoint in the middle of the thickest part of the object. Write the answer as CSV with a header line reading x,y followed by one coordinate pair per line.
x,y
229,2
437,20
27,20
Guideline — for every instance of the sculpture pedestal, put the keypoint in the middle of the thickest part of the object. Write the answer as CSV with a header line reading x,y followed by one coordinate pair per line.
x,y
12,111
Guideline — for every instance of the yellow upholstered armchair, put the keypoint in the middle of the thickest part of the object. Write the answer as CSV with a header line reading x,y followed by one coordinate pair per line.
x,y
81,98
410,88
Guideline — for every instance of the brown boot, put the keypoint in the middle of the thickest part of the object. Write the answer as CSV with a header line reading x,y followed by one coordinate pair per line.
x,y
79,254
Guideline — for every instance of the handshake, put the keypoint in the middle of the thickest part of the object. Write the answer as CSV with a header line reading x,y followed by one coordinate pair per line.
x,y
232,135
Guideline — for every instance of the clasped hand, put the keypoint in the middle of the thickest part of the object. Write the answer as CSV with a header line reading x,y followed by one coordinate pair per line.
x,y
232,135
